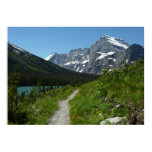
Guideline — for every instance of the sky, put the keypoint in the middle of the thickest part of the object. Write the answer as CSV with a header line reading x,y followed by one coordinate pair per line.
x,y
42,41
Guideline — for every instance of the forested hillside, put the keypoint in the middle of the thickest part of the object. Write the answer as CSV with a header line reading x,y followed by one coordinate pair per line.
x,y
26,69
116,95
32,69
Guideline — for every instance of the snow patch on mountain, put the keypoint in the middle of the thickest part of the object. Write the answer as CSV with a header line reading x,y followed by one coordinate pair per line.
x,y
114,60
81,70
73,62
116,42
50,56
16,49
77,69
103,55
85,61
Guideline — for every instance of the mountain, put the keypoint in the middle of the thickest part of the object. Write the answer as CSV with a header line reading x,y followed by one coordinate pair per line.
x,y
106,52
33,68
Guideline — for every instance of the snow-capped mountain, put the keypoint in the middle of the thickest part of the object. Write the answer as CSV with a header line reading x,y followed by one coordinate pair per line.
x,y
117,42
105,52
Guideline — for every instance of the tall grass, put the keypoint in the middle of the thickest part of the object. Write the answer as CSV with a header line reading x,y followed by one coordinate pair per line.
x,y
119,92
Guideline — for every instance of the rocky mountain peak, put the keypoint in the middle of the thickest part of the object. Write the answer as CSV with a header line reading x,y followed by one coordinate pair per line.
x,y
116,41
107,51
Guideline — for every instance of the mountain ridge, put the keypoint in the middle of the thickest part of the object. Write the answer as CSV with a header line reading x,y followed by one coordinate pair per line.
x,y
33,68
103,53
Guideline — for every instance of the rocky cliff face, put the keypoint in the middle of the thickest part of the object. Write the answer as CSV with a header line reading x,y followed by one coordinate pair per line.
x,y
106,52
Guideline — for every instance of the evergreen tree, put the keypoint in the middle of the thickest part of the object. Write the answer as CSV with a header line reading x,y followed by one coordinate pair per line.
x,y
12,92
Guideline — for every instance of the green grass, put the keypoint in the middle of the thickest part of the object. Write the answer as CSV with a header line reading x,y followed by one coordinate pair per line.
x,y
39,111
45,106
116,93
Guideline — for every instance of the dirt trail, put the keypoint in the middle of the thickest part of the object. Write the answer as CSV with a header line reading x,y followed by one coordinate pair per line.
x,y
61,116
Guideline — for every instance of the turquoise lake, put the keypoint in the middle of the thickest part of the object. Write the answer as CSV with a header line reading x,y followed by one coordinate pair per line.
x,y
27,89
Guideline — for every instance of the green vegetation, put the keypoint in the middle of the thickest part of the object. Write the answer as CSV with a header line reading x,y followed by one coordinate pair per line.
x,y
36,108
117,93
33,68
26,69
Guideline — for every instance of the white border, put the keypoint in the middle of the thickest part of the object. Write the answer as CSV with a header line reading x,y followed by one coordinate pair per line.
x,y
76,13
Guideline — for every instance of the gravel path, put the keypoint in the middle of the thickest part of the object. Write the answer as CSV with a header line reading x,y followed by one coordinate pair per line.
x,y
61,116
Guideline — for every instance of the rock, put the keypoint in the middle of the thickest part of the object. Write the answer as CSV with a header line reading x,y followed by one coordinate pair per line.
x,y
137,117
100,115
140,118
117,106
114,120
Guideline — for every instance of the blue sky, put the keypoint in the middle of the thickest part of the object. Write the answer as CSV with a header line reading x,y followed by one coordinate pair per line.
x,y
42,41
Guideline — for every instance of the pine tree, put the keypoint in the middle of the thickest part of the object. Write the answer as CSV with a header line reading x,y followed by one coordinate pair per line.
x,y
13,81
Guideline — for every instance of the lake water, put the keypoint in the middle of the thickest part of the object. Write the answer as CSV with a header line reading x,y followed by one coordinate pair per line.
x,y
28,89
